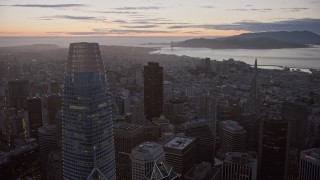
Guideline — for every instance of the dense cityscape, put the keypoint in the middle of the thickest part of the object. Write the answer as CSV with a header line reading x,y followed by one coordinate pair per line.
x,y
111,112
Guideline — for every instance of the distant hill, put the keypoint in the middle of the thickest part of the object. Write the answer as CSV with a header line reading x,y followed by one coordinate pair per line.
x,y
234,42
299,37
262,40
27,48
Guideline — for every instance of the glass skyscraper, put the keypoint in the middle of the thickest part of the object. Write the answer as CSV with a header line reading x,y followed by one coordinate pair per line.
x,y
87,118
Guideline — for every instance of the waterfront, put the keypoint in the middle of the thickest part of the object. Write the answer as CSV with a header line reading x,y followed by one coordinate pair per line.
x,y
302,58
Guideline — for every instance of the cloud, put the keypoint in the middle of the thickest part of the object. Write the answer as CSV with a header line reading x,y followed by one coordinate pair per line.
x,y
110,31
116,12
208,7
294,9
252,9
49,5
120,21
139,8
254,26
88,18
142,26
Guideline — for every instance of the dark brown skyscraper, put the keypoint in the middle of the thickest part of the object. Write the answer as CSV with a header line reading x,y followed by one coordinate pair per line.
x,y
273,148
126,136
153,90
18,93
54,105
35,116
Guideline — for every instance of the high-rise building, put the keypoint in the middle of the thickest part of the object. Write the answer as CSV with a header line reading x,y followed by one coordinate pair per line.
x,y
237,166
25,161
253,104
86,115
35,116
54,105
181,153
47,142
203,171
296,113
310,164
126,137
200,130
18,92
54,87
144,156
233,137
250,123
162,170
273,148
167,90
54,166
153,90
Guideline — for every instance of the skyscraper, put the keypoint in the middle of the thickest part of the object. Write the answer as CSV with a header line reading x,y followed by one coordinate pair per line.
x,y
153,90
54,105
273,148
47,142
35,116
237,166
233,137
253,101
126,136
144,156
181,153
200,130
310,164
18,92
86,115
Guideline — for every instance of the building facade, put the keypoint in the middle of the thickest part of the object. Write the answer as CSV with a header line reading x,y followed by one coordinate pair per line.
x,y
86,114
153,90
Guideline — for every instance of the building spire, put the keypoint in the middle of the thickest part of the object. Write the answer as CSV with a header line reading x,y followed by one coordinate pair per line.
x,y
255,67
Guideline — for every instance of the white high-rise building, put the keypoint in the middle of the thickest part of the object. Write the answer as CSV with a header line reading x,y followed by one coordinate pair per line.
x,y
310,164
143,158
233,137
238,166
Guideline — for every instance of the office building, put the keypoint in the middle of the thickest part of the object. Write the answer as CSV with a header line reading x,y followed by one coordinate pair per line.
x,y
54,105
47,142
296,113
126,137
233,137
162,171
25,161
203,171
310,164
153,90
54,166
250,123
200,129
35,116
144,156
86,115
273,148
238,166
167,90
18,92
181,153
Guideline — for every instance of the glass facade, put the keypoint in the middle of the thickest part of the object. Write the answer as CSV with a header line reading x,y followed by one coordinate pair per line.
x,y
87,117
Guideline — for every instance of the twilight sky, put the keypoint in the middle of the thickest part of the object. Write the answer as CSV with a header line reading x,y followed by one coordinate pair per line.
x,y
155,17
